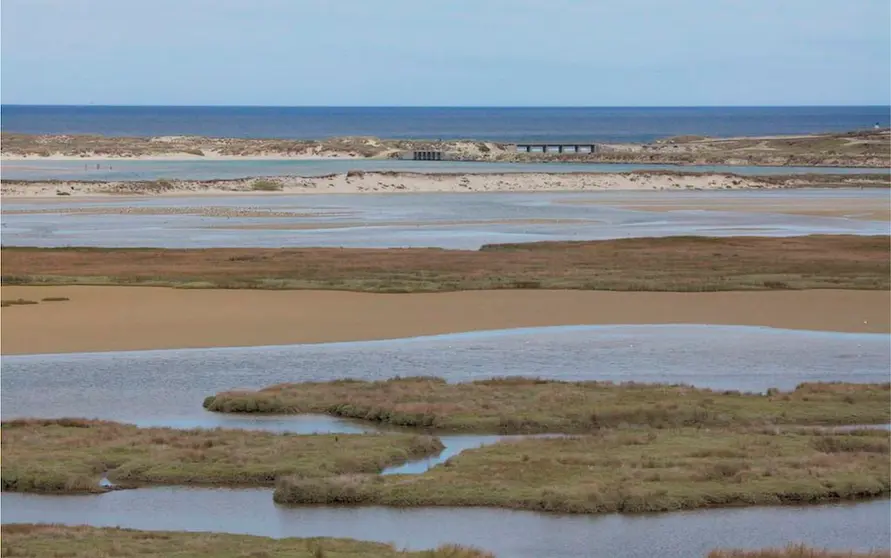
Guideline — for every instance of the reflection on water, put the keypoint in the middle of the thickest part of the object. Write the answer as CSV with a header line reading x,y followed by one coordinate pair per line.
x,y
453,446
509,534
152,388
471,220
296,424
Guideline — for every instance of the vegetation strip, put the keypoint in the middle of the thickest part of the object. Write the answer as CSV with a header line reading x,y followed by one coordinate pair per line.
x,y
528,405
71,455
630,471
858,148
677,264
795,551
37,541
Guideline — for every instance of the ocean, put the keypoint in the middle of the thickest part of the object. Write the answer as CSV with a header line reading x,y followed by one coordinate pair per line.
x,y
505,124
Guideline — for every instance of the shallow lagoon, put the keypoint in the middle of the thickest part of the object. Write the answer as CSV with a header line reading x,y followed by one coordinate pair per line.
x,y
455,221
197,169
166,388
509,534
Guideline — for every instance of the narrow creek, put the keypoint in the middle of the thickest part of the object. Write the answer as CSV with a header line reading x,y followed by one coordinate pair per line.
x,y
165,388
507,533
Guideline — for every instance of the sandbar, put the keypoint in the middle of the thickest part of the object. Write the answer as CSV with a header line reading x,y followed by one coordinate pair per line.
x,y
115,318
380,182
847,205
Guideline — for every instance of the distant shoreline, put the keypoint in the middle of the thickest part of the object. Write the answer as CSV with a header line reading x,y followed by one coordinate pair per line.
x,y
866,149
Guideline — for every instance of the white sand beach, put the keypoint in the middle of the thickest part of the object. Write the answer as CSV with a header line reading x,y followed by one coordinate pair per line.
x,y
371,182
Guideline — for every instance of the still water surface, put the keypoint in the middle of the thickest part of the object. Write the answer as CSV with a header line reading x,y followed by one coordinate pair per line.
x,y
509,534
196,169
455,221
167,387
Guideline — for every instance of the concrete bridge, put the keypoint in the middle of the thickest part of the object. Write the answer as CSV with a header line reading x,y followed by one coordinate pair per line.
x,y
558,147
425,155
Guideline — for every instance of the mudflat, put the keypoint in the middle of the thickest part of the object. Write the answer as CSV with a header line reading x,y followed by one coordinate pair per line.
x,y
115,318
851,207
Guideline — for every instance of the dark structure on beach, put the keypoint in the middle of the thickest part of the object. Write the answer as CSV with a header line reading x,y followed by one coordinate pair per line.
x,y
552,147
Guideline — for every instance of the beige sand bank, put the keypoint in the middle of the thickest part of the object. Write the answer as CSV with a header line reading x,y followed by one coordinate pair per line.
x,y
380,182
133,318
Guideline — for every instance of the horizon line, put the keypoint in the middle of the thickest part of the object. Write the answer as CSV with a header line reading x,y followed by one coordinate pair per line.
x,y
76,105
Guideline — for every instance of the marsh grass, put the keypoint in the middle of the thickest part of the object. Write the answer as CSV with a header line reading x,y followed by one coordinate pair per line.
x,y
70,455
631,470
794,551
678,264
55,299
39,541
529,405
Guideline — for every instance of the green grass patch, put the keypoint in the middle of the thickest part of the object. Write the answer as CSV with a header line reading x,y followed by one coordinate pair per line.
x,y
39,541
529,405
266,185
55,299
71,455
627,470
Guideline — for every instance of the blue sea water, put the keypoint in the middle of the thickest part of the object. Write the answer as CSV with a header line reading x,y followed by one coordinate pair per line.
x,y
605,124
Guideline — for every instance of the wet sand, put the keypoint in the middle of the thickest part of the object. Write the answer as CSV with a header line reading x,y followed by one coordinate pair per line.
x,y
848,206
136,318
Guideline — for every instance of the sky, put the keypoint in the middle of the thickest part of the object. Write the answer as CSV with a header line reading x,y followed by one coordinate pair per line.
x,y
446,52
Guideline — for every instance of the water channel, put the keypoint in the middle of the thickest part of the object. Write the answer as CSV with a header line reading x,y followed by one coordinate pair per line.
x,y
165,388
507,533
197,169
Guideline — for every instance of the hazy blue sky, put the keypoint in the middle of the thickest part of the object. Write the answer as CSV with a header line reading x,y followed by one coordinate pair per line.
x,y
446,52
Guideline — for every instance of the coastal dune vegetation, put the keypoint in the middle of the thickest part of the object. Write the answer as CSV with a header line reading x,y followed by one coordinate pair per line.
x,y
866,148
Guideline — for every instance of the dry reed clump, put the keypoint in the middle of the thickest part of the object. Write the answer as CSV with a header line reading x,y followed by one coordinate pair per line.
x,y
680,264
16,302
625,471
530,405
70,455
38,541
266,185
795,551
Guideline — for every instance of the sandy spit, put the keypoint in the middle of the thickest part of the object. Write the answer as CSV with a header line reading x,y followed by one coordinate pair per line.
x,y
382,182
135,318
